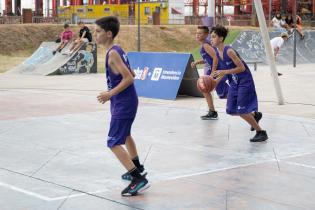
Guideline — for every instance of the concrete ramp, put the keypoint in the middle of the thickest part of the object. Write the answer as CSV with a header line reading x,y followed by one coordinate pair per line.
x,y
250,46
43,62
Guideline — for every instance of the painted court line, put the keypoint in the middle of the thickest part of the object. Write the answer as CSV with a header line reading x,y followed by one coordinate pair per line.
x,y
241,166
26,192
45,198
77,195
299,164
218,170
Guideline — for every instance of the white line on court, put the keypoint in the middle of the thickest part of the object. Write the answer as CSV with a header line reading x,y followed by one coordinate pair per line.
x,y
45,198
241,166
77,195
299,164
218,170
11,187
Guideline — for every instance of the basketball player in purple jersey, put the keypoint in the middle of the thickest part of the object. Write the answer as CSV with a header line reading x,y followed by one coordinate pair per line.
x,y
242,98
210,59
123,105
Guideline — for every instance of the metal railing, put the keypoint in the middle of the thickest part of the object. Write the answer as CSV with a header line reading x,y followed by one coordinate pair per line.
x,y
54,20
227,20
11,19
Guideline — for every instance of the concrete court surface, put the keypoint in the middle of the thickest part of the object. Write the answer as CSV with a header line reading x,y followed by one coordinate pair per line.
x,y
54,155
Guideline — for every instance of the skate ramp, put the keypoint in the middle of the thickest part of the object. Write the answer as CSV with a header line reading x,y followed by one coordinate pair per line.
x,y
43,62
250,46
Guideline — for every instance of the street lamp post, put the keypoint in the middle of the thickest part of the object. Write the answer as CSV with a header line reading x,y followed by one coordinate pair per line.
x,y
139,49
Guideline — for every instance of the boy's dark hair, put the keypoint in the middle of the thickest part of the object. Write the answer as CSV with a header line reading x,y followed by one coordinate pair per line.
x,y
204,28
80,22
109,23
221,31
66,25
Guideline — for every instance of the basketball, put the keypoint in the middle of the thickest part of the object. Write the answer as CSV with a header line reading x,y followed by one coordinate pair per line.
x,y
206,84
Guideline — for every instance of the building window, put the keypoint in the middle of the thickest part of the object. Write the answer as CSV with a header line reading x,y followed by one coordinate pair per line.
x,y
147,10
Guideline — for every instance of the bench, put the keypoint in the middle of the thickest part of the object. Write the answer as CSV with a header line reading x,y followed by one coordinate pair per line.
x,y
255,62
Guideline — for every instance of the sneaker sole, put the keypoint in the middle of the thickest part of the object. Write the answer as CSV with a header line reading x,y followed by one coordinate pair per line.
x,y
144,188
209,118
259,141
139,191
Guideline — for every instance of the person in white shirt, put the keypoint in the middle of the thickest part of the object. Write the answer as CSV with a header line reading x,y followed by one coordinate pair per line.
x,y
276,23
276,44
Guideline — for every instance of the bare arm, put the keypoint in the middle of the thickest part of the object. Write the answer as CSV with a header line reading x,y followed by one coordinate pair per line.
x,y
83,35
271,23
133,73
276,51
213,55
119,67
195,63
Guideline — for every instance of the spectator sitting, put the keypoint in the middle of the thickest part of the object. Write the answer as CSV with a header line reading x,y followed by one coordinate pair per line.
x,y
290,23
275,22
84,37
289,20
65,37
299,26
284,24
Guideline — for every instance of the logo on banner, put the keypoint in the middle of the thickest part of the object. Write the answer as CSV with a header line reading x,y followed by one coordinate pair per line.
x,y
144,73
156,74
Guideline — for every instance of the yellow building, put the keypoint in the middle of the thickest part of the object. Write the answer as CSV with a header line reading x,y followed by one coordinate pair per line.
x,y
127,13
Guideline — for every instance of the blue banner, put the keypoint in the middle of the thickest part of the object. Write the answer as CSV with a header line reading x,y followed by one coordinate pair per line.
x,y
158,75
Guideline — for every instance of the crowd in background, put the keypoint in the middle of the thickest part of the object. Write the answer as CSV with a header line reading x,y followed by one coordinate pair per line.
x,y
283,23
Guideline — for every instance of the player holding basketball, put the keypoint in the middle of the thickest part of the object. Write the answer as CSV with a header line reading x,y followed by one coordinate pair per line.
x,y
123,105
206,84
210,59
242,98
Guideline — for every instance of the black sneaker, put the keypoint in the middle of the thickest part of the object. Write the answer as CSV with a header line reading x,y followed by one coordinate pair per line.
x,y
136,186
257,116
260,136
279,74
54,52
59,50
212,115
128,177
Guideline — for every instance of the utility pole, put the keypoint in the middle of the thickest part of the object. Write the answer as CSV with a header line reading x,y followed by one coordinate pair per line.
x,y
211,13
139,47
47,8
269,54
294,32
